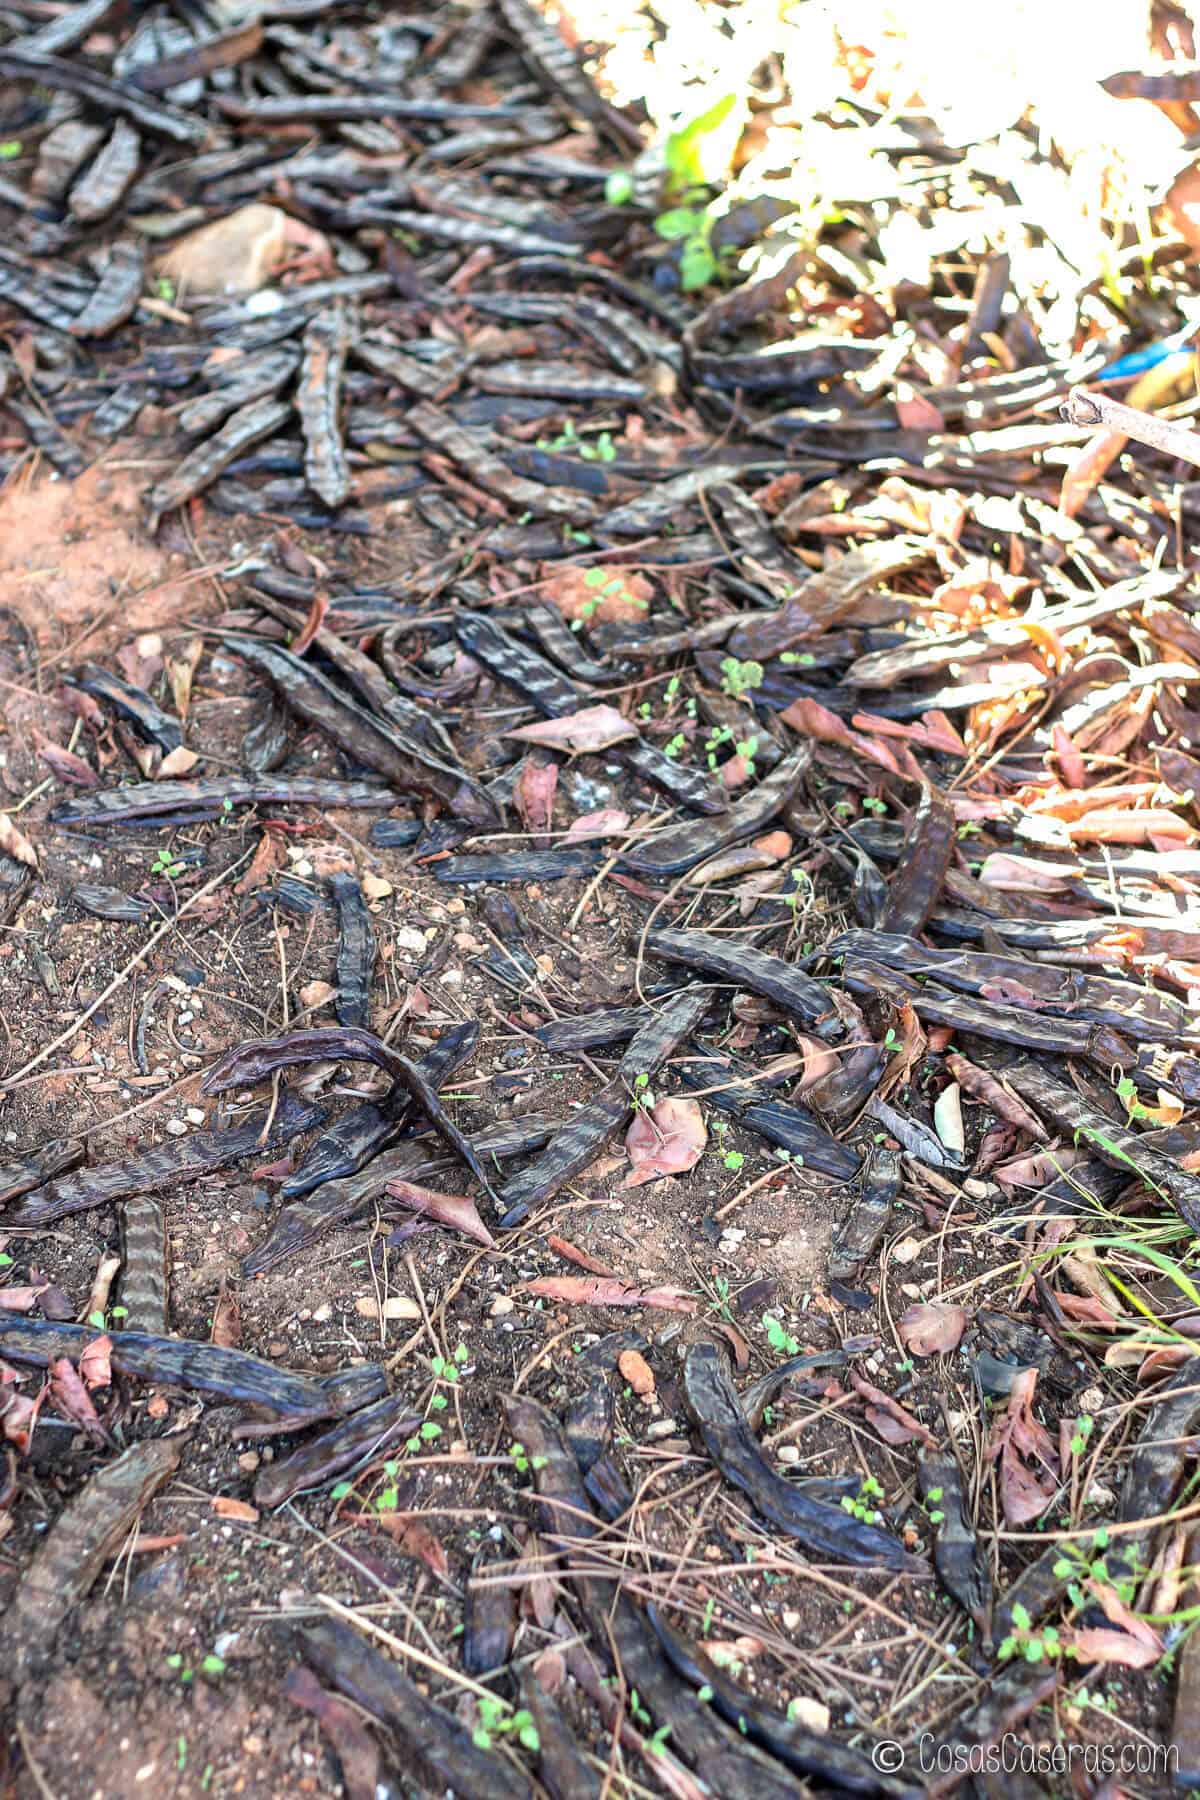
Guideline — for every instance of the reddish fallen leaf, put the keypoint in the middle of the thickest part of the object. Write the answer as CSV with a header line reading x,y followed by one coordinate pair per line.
x,y
1028,1475
914,412
563,1247
818,1061
667,1140
574,1290
417,1540
18,1412
894,1423
227,1321
269,855
226,1507
931,1328
594,728
72,1398
64,763
180,761
534,794
20,1299
350,1740
610,821
736,1342
95,1363
313,623
1004,1103
14,843
456,1211
810,719
1096,1645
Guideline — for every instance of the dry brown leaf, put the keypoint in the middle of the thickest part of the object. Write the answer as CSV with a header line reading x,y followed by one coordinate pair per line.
x,y
268,855
226,1507
20,1299
593,728
534,793
610,821
575,1290
14,843
180,761
315,994
64,763
931,1328
669,1139
621,598
95,1362
1028,1475
417,1540
1095,1645
72,1399
456,1211
227,1321
894,1423
572,1253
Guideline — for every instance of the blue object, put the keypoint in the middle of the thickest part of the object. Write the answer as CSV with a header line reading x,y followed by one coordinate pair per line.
x,y
1138,361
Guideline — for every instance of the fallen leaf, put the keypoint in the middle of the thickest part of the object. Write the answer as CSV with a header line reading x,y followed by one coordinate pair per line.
x,y
574,1290
932,1328
667,1140
15,844
610,821
572,1253
594,728
534,793
226,1507
95,1362
20,1299
1025,1451
947,1118
1004,1103
268,855
637,1372
72,1398
1095,1645
179,761
233,255
578,594
456,1211
18,1412
418,1540
64,763
375,887
350,1740
227,1321
894,1423
315,994
313,623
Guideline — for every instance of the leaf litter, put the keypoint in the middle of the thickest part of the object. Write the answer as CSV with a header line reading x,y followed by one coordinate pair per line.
x,y
706,575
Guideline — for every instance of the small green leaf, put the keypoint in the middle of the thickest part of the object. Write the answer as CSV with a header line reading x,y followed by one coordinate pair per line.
x,y
697,265
340,1491
213,1664
10,148
618,188
595,578
679,222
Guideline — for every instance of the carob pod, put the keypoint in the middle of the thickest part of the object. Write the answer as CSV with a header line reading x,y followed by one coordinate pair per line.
x,y
259,1057
175,1362
73,1552
431,1736
825,1530
582,1136
351,1444
160,802
861,1231
144,1291
171,1164
356,951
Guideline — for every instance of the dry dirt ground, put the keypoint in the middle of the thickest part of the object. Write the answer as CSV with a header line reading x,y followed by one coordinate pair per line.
x,y
130,1705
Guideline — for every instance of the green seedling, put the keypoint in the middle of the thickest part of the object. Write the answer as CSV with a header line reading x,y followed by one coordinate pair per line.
x,y
738,678
862,1505
496,1719
781,1341
164,864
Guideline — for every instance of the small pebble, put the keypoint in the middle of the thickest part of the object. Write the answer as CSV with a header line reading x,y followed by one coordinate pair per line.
x,y
788,1453
500,1306
194,1116
177,1127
